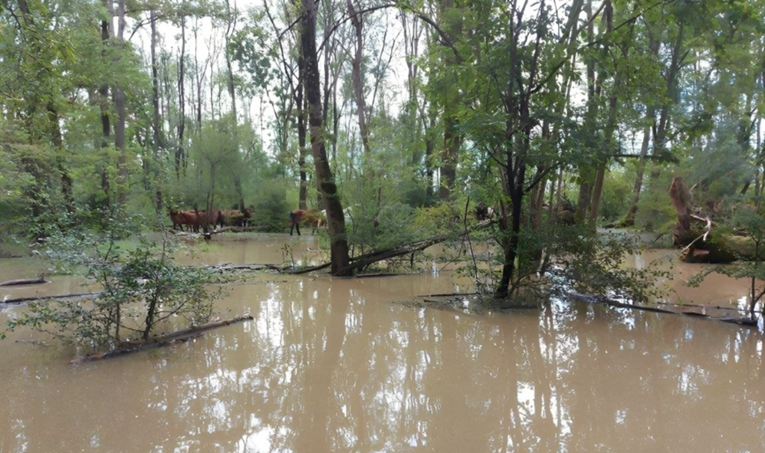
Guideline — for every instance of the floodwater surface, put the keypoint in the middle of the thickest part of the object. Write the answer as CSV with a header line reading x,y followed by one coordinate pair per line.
x,y
336,365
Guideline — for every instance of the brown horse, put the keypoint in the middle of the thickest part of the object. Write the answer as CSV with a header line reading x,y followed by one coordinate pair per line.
x,y
312,217
177,218
195,219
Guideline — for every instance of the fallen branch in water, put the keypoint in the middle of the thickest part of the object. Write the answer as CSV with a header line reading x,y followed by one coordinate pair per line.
x,y
305,270
381,275
167,339
744,321
362,261
25,281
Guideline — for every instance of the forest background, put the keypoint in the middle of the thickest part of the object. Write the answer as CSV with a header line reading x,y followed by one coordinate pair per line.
x,y
552,114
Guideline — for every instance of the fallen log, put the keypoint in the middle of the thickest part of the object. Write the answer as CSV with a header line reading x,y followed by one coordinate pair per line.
x,y
25,281
21,300
167,339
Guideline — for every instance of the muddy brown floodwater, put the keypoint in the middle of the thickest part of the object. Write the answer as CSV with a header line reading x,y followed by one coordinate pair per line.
x,y
334,365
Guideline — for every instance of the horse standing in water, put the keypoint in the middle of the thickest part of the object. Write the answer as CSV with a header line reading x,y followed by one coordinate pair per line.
x,y
312,217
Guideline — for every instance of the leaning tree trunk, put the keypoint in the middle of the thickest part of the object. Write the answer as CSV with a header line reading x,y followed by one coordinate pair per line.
x,y
325,180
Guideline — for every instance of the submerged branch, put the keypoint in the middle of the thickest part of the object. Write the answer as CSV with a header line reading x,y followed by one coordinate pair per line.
x,y
160,341
745,321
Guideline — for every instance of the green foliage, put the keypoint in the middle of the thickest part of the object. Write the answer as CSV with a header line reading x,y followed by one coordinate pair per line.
x,y
143,290
617,195
391,227
271,211
437,220
655,211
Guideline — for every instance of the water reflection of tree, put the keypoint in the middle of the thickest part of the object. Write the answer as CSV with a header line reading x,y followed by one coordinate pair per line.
x,y
327,368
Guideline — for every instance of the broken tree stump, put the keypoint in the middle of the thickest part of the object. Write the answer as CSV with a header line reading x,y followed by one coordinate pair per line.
x,y
696,233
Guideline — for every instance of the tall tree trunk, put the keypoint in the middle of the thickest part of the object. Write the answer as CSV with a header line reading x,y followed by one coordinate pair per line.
x,y
119,104
629,219
103,94
180,153
232,94
326,184
586,174
301,117
452,136
58,143
608,132
156,138
357,77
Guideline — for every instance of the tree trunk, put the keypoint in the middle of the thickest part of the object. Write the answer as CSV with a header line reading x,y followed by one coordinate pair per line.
x,y
156,137
324,177
232,94
301,117
586,175
452,136
180,153
357,77
119,104
629,219
103,93
58,143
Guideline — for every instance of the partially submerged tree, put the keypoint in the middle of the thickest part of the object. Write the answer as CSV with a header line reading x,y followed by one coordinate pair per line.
x,y
144,291
325,180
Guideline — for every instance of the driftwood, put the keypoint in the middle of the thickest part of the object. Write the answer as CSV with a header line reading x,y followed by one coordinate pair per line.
x,y
167,339
696,234
25,281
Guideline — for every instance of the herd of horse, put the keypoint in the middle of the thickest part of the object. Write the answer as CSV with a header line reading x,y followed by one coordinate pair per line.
x,y
195,219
